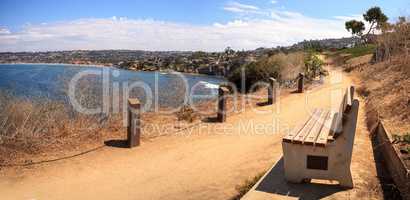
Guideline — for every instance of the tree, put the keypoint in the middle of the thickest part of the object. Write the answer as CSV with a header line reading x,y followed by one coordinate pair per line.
x,y
198,54
229,51
375,17
402,20
356,27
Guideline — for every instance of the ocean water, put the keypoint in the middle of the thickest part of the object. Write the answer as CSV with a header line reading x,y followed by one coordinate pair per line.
x,y
51,81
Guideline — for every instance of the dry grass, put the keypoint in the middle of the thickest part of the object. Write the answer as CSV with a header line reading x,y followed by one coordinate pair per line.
x,y
30,128
386,86
186,113
243,188
292,65
394,41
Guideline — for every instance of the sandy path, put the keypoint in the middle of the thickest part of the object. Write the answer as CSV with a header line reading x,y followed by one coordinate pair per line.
x,y
201,163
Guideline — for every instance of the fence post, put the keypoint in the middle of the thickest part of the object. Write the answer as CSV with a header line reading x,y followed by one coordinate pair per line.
x,y
223,91
134,123
272,91
301,83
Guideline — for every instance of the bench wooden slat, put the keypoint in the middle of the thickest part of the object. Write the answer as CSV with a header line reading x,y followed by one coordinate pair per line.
x,y
348,98
300,137
326,134
314,132
344,103
290,136
337,126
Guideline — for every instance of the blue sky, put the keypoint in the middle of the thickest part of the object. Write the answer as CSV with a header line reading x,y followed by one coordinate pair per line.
x,y
41,25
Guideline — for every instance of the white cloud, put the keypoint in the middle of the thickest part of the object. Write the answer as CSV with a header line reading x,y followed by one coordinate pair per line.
x,y
273,2
4,31
350,17
281,28
240,8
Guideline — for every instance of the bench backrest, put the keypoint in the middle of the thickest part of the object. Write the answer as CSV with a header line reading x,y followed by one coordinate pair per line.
x,y
345,106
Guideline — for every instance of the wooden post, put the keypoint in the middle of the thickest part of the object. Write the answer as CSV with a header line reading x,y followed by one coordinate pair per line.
x,y
301,83
134,124
272,91
223,91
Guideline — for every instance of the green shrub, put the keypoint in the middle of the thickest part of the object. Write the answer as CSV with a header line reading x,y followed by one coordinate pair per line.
x,y
403,139
359,50
313,65
406,138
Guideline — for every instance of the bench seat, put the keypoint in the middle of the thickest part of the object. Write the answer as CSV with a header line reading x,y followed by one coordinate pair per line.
x,y
316,131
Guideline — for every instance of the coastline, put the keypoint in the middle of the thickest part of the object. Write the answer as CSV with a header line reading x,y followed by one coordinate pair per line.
x,y
72,64
166,71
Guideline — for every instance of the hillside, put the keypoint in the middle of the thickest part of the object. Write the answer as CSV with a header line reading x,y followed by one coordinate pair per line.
x,y
386,88
211,63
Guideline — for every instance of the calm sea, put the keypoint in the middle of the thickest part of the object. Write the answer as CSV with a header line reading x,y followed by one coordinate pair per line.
x,y
51,81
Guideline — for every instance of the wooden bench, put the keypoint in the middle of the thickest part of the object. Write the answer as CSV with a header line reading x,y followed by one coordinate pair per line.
x,y
321,148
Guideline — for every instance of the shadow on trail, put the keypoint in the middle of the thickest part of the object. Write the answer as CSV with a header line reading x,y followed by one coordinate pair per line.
x,y
295,92
274,182
52,160
261,104
117,143
210,120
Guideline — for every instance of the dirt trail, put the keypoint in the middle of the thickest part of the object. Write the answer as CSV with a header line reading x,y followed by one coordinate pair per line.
x,y
200,163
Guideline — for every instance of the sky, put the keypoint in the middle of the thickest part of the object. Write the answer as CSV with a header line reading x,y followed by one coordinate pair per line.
x,y
184,25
